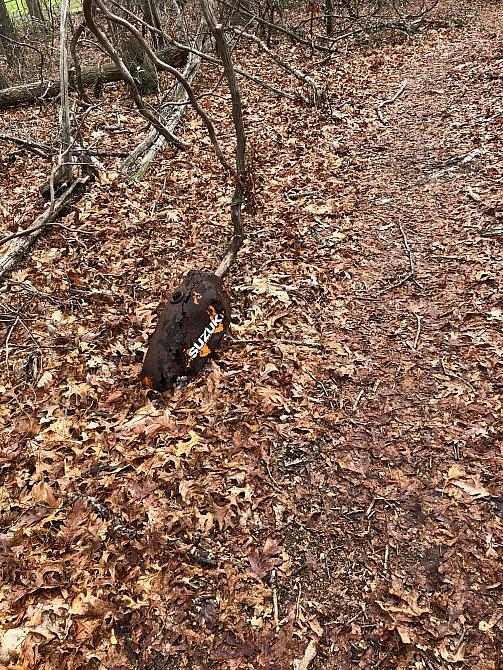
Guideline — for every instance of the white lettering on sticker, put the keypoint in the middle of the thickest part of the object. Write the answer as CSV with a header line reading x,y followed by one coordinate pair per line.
x,y
208,332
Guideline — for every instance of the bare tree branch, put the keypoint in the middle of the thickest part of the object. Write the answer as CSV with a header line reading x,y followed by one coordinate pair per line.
x,y
64,109
37,148
107,45
237,117
76,62
161,65
284,64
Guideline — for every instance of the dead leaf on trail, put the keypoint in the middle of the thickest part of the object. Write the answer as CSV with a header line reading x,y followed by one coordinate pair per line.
x,y
150,421
473,488
272,399
45,380
261,563
42,492
455,656
184,448
269,286
457,476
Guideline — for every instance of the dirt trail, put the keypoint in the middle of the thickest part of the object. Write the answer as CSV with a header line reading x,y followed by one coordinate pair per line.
x,y
336,475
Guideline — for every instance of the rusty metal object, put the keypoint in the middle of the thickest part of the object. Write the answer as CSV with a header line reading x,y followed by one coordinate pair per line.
x,y
191,326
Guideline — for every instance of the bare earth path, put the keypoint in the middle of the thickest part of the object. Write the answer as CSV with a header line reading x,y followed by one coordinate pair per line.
x,y
333,483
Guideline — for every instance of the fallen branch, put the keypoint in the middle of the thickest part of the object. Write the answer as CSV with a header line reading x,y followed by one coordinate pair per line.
x,y
35,147
454,163
27,237
390,101
106,73
407,249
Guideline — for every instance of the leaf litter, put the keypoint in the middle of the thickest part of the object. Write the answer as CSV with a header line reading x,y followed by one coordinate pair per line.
x,y
328,493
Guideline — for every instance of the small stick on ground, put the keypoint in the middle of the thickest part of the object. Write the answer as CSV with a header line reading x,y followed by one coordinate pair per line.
x,y
297,606
389,101
418,331
269,341
274,599
407,249
409,275
323,388
399,283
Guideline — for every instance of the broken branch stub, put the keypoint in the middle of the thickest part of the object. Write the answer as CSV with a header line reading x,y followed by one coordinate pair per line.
x,y
190,328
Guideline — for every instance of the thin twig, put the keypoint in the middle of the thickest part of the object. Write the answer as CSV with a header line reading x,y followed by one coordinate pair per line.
x,y
283,63
297,605
386,559
88,9
269,341
390,101
241,172
274,598
323,387
418,331
407,248
399,283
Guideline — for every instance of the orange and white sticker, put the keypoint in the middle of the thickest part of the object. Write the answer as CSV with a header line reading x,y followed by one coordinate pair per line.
x,y
201,348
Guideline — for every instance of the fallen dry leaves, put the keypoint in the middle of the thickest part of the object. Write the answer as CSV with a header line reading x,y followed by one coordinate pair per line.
x,y
328,493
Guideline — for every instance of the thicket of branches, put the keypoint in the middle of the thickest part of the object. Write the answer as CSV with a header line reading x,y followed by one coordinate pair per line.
x,y
156,48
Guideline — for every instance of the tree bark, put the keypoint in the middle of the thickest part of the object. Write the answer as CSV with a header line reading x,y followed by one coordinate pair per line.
x,y
237,116
151,16
329,18
7,33
64,109
19,95
35,9
19,246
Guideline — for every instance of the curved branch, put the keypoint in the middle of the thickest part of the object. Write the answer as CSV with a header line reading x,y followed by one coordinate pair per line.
x,y
87,6
76,62
28,46
284,64
162,65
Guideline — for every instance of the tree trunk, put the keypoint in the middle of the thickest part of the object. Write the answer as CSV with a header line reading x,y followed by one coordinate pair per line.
x,y
329,16
7,33
4,82
35,9
151,16
18,95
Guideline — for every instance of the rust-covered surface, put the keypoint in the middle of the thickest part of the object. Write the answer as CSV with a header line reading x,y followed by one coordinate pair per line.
x,y
190,328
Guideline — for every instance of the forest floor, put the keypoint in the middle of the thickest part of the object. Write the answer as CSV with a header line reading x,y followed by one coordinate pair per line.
x,y
327,493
